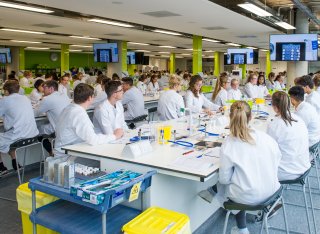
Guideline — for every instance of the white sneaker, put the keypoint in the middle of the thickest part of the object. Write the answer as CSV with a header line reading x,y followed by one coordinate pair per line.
x,y
236,230
206,195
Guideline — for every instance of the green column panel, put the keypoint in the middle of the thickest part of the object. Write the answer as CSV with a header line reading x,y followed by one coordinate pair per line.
x,y
216,64
131,68
124,47
64,58
172,63
197,54
243,67
21,59
268,63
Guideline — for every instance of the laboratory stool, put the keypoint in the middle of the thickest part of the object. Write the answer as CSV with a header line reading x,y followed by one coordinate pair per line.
x,y
51,138
314,154
266,207
302,180
152,111
23,144
132,123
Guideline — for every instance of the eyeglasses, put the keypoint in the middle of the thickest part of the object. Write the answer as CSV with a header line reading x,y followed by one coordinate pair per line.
x,y
119,91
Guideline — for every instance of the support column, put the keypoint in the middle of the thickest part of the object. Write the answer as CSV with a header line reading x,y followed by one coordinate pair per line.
x,y
216,64
124,56
64,58
172,63
268,63
197,55
131,68
243,67
21,59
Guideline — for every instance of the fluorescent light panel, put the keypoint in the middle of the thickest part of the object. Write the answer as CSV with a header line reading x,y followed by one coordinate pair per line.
x,y
210,40
264,50
143,51
29,42
188,49
250,47
38,48
186,54
22,31
170,47
164,52
137,43
254,9
75,50
285,25
209,51
232,44
86,38
167,32
110,22
82,46
26,8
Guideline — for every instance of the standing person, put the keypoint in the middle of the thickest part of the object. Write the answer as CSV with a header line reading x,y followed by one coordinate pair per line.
x,y
36,94
261,86
251,88
153,85
26,81
74,125
64,85
234,93
142,84
220,94
270,81
195,100
171,102
294,147
279,82
249,161
18,120
316,81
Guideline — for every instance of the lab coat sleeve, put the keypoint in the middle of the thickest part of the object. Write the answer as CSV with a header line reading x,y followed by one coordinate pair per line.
x,y
42,108
271,131
180,105
103,121
208,104
248,91
224,97
265,91
226,168
125,99
188,100
2,107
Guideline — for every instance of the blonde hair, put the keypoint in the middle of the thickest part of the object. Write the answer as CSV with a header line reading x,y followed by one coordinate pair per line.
x,y
173,81
240,114
220,82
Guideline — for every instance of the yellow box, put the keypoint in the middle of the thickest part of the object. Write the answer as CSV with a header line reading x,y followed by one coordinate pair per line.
x,y
157,220
166,134
24,199
260,101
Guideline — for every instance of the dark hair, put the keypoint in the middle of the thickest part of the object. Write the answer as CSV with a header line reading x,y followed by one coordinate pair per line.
x,y
11,77
111,87
153,77
99,72
316,80
250,77
297,92
82,92
48,75
142,78
278,77
38,83
61,78
194,79
305,81
127,80
105,80
264,80
281,100
115,76
52,84
12,86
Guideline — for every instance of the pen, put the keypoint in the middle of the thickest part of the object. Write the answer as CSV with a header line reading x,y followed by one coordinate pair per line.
x,y
188,152
200,156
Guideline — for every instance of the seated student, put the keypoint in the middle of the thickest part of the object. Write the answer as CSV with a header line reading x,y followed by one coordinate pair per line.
x,y
153,85
142,84
186,80
74,125
308,114
279,82
195,100
316,81
109,115
270,81
77,79
262,89
115,76
220,94
26,80
18,120
36,94
98,87
132,100
48,77
291,134
234,93
12,77
64,85
102,96
249,161
170,102
313,97
251,88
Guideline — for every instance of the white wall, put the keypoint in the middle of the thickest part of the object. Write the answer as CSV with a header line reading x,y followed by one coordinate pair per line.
x,y
161,63
181,64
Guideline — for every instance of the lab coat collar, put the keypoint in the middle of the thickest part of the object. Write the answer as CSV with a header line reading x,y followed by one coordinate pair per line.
x,y
300,106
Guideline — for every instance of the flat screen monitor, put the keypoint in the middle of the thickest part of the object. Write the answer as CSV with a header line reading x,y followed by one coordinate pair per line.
x,y
146,60
242,56
106,52
139,57
5,55
131,57
294,47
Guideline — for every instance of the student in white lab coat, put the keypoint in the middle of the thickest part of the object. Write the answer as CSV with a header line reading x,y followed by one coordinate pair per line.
x,y
98,87
171,102
109,115
195,100
251,88
234,93
74,125
12,77
77,79
132,100
153,85
316,81
279,82
220,94
291,134
249,161
308,114
26,80
36,94
102,96
313,97
64,85
186,81
18,120
270,81
142,84
262,89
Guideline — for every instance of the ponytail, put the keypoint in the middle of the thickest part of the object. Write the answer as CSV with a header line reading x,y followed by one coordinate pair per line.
x,y
282,101
240,114
220,81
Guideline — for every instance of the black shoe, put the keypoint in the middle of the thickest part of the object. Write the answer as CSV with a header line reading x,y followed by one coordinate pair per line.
x,y
3,169
14,164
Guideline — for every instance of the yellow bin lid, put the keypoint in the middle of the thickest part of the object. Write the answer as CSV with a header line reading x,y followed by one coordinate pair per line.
x,y
157,220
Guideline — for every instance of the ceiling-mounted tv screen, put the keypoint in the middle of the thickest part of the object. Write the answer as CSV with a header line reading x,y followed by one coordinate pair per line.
x,y
5,55
146,60
106,52
131,57
294,47
242,56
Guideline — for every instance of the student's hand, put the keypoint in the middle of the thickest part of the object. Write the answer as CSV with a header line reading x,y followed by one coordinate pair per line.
x,y
118,133
208,112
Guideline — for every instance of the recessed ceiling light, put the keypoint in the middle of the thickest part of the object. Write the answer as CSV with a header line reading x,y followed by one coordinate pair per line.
x,y
254,9
26,8
170,47
209,51
186,54
86,38
179,57
75,50
29,42
143,51
210,40
164,52
110,22
167,32
38,48
137,43
166,56
264,50
285,25
251,47
232,44
82,46
188,49
22,31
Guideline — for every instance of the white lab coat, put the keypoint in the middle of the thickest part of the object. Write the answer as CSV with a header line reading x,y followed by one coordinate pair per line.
x,y
62,89
248,172
262,91
153,87
53,106
76,83
185,83
133,102
318,90
196,104
107,118
163,82
278,86
270,85
74,126
101,97
311,118
142,87
97,90
294,146
24,82
234,94
18,120
35,97
251,90
169,105
314,99
221,98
